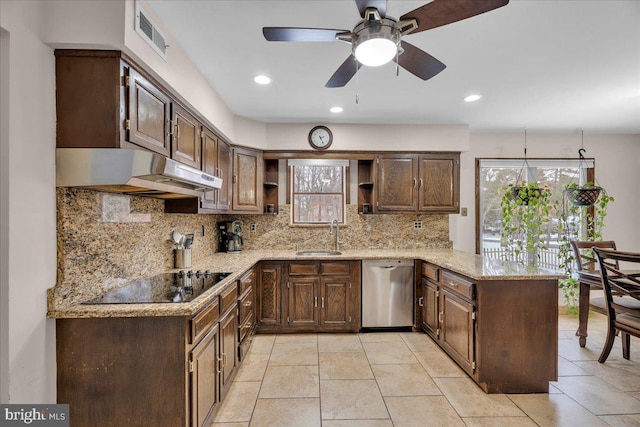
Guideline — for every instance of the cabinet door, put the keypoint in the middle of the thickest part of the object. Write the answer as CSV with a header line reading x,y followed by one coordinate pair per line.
x,y
457,332
186,137
396,183
439,183
247,180
149,115
225,172
335,301
209,165
228,347
430,308
268,282
204,378
303,301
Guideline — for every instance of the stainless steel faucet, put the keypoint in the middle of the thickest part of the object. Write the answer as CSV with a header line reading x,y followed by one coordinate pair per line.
x,y
337,241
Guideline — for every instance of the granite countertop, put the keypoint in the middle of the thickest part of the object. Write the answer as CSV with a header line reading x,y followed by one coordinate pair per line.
x,y
471,265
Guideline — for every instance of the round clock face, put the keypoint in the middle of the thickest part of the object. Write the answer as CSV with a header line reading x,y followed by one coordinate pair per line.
x,y
320,137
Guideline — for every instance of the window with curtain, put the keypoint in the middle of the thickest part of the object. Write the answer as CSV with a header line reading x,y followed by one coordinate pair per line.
x,y
493,174
318,191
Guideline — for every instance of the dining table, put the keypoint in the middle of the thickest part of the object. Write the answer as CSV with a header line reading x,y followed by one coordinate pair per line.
x,y
587,280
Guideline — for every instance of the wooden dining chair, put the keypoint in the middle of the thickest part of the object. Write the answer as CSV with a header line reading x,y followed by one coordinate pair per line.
x,y
618,285
586,260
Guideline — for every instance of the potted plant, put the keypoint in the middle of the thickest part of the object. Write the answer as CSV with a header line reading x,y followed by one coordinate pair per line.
x,y
580,219
525,214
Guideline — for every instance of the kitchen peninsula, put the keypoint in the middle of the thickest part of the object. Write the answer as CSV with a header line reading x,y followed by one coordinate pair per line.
x,y
498,320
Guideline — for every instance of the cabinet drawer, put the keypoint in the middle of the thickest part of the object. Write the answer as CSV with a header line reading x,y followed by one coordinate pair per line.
x,y
335,268
458,284
206,319
245,328
303,268
228,298
431,271
246,282
245,306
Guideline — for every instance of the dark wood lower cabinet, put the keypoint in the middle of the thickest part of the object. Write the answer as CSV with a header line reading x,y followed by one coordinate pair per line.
x,y
308,296
205,393
228,348
502,333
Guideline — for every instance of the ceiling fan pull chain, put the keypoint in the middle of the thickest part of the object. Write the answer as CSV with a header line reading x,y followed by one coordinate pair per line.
x,y
357,84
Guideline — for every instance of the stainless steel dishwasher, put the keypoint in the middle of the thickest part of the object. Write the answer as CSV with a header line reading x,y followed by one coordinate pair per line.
x,y
387,293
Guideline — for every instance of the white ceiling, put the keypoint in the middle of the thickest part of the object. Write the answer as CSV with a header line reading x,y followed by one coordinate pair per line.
x,y
547,65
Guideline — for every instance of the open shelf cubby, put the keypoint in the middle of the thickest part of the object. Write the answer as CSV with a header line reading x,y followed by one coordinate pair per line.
x,y
365,186
270,185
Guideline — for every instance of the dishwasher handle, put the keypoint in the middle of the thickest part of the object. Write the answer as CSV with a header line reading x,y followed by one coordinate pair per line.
x,y
388,267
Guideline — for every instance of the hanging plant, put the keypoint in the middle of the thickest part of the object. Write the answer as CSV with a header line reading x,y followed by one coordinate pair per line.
x,y
582,217
524,218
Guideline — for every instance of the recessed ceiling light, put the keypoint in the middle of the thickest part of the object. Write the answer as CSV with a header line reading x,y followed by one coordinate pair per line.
x,y
262,80
336,109
472,98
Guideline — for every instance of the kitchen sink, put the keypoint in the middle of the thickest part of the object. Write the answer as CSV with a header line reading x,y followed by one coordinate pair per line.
x,y
318,253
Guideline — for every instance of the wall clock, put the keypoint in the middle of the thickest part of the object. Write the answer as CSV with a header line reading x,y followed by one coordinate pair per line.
x,y
320,137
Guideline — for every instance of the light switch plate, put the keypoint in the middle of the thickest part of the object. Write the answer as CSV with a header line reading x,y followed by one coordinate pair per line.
x,y
463,211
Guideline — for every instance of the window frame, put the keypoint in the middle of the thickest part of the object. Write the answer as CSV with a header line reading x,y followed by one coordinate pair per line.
x,y
343,164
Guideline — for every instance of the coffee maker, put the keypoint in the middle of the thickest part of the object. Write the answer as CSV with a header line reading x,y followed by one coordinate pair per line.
x,y
230,236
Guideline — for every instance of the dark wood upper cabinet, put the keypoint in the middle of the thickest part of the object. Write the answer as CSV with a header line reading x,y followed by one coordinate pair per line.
x,y
225,170
396,182
149,114
209,165
248,176
439,183
186,137
426,183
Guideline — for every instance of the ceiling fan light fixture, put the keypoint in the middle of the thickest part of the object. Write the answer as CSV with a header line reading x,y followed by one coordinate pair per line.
x,y
376,43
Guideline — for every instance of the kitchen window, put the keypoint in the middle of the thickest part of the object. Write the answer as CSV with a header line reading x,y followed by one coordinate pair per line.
x,y
318,189
492,175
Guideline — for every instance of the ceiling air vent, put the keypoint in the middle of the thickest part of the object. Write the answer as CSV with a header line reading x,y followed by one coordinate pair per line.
x,y
149,32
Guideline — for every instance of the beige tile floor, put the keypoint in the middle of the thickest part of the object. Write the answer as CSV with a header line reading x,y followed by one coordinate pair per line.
x,y
404,379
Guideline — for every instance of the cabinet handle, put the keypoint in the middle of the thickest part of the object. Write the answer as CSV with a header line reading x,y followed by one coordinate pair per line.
x,y
247,304
440,315
415,182
167,126
420,301
315,301
219,365
235,178
322,302
421,182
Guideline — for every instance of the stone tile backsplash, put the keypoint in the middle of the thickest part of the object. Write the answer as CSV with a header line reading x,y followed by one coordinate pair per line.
x,y
104,238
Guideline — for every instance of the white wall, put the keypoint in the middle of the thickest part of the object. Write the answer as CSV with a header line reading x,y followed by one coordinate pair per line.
x,y
293,136
31,211
4,216
617,160
77,24
250,133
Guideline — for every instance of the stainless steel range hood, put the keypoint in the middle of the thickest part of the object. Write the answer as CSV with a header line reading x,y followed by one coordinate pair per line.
x,y
135,172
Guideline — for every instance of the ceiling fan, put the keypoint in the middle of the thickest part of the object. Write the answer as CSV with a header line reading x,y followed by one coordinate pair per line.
x,y
377,38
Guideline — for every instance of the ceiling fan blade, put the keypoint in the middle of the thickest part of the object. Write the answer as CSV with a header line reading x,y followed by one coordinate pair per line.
x,y
344,73
418,62
443,12
381,5
283,34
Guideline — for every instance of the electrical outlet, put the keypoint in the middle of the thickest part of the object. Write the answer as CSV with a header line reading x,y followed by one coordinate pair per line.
x,y
417,225
463,211
252,227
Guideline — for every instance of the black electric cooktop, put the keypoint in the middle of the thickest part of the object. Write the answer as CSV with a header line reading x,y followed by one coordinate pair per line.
x,y
163,288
